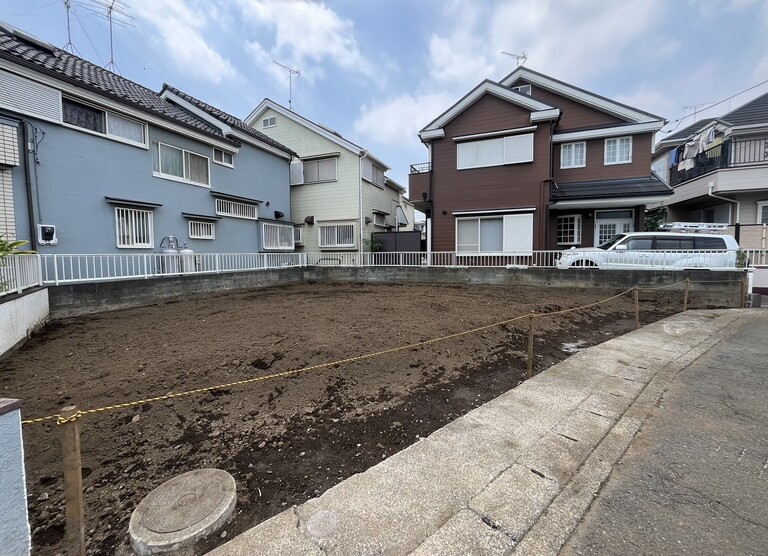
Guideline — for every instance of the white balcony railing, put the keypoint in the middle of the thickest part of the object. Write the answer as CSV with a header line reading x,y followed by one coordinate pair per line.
x,y
19,272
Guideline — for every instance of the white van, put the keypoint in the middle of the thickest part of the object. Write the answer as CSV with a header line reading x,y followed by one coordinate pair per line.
x,y
659,250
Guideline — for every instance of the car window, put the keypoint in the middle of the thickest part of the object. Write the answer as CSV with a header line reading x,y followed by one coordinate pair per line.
x,y
710,243
608,244
667,243
639,243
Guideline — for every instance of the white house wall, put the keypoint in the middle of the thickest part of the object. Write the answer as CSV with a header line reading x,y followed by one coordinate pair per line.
x,y
327,202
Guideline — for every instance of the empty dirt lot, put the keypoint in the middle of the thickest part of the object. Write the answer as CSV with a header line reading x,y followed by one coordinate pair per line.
x,y
285,439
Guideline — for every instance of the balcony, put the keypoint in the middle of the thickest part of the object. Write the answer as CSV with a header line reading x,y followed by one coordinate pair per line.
x,y
729,154
418,185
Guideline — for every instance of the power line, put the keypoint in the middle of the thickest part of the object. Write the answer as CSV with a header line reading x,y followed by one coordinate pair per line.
x,y
680,120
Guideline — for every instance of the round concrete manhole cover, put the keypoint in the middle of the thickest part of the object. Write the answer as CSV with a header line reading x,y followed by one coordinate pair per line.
x,y
182,510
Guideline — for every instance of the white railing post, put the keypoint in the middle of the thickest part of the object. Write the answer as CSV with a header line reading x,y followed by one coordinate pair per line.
x,y
55,270
217,263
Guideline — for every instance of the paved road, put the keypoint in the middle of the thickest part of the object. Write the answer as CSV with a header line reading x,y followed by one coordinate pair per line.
x,y
695,478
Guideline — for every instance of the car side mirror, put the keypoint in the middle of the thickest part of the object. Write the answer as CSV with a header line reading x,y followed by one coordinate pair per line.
x,y
620,248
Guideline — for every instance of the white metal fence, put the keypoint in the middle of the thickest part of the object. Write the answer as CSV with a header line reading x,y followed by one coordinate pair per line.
x,y
19,272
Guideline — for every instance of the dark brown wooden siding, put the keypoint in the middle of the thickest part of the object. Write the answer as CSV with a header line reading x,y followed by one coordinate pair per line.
x,y
499,187
575,116
596,168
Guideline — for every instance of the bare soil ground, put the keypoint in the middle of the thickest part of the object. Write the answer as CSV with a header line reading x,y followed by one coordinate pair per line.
x,y
284,440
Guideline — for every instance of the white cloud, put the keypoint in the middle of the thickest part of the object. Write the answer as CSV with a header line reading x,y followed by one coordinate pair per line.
x,y
397,121
181,27
308,34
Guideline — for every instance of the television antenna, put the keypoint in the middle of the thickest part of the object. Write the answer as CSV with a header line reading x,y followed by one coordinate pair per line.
x,y
70,46
519,58
111,11
696,107
291,73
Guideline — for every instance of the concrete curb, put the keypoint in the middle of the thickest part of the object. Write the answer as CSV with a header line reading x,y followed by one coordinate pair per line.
x,y
515,475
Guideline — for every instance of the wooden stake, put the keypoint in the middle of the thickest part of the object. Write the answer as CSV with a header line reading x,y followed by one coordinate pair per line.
x,y
74,537
743,294
636,294
685,297
530,345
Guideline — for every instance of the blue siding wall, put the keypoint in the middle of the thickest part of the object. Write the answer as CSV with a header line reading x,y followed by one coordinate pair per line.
x,y
77,170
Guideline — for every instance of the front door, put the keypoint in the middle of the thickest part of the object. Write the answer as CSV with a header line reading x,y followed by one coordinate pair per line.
x,y
608,223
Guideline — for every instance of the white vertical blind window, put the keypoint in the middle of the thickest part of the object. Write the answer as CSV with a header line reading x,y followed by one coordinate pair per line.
x,y
134,228
277,236
514,149
337,235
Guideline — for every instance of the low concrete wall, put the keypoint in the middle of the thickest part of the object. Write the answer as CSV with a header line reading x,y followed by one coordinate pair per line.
x,y
708,289
20,315
15,537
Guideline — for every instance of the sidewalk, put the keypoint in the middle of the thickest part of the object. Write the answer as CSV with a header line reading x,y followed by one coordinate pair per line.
x,y
519,474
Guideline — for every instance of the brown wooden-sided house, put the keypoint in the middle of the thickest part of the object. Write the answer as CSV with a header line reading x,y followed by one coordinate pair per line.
x,y
532,163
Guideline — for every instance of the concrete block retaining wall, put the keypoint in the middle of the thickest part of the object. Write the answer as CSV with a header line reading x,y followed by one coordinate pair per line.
x,y
20,315
708,289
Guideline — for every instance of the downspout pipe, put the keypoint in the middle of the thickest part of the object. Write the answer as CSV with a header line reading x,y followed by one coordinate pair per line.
x,y
28,184
738,205
363,154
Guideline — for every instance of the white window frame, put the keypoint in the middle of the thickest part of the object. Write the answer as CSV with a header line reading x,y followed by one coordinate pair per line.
x,y
269,122
318,180
235,209
518,242
373,174
106,132
298,235
617,141
285,240
522,89
200,229
184,162
507,144
571,147
577,228
222,153
762,206
379,219
336,245
136,217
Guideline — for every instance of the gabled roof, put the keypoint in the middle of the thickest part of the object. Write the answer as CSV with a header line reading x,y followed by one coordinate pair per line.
x,y
752,113
220,115
31,53
539,110
320,129
582,96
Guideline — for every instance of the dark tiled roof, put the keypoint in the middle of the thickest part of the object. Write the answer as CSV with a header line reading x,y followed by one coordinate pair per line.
x,y
753,112
681,136
228,119
82,73
608,189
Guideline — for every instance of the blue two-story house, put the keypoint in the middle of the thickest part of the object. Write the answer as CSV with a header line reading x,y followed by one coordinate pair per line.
x,y
91,162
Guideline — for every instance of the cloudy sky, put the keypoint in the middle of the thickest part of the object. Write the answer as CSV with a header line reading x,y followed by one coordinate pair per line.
x,y
377,71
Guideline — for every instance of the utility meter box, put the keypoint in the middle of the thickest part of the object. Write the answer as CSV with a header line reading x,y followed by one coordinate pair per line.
x,y
46,234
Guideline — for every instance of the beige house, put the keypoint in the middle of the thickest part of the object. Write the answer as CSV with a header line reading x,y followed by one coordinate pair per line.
x,y
340,193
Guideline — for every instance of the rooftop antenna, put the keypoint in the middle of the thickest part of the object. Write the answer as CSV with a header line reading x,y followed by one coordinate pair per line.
x,y
519,58
291,73
696,108
114,10
70,46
